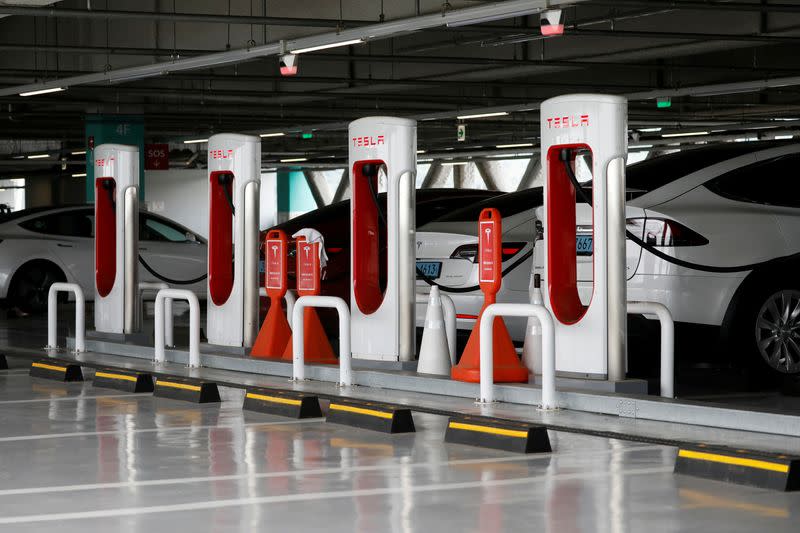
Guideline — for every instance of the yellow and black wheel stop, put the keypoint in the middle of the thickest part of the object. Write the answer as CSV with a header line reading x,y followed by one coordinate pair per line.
x,y
57,370
371,415
743,467
501,435
190,390
282,403
124,380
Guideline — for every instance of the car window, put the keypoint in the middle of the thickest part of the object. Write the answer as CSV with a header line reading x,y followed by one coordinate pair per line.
x,y
508,204
158,229
76,223
772,182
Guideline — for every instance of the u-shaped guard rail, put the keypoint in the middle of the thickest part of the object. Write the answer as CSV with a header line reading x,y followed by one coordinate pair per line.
x,y
548,349
80,315
450,326
164,299
667,342
298,357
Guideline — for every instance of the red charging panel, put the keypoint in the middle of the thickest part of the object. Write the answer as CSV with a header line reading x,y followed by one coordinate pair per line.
x,y
308,273
105,235
275,263
561,228
490,249
220,239
366,241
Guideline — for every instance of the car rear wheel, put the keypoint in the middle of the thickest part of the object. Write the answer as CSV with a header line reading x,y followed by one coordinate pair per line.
x,y
31,285
777,331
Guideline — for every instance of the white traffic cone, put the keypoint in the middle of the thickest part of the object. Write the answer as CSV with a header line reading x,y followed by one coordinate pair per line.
x,y
434,356
532,349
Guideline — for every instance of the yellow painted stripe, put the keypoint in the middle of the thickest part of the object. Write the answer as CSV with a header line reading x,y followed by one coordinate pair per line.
x,y
114,376
738,461
50,367
360,410
273,399
493,431
163,383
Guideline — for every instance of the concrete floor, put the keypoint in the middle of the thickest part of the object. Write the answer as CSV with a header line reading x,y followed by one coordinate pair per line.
x,y
75,458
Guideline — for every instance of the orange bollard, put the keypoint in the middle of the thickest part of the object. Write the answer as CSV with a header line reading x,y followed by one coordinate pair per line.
x,y
507,366
275,331
317,347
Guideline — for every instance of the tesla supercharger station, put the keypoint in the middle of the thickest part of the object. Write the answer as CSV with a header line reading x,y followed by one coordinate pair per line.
x,y
116,240
590,338
382,260
234,176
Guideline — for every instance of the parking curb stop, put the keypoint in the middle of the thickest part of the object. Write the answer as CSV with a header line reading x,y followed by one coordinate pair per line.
x,y
124,380
190,390
56,370
512,437
371,415
282,403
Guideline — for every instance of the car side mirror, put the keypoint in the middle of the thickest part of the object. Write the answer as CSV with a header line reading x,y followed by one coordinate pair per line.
x,y
191,237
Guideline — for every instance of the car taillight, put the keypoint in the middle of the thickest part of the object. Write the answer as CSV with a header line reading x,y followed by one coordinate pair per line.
x,y
470,251
664,232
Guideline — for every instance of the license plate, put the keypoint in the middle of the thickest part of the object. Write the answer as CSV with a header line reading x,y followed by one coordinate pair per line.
x,y
261,266
431,269
584,244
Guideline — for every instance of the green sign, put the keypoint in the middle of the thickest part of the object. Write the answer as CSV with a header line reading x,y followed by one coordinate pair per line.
x,y
117,129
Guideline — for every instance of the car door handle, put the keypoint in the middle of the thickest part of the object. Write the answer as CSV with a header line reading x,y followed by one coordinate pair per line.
x,y
62,245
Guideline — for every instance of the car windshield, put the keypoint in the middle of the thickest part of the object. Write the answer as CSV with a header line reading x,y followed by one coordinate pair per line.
x,y
649,175
508,204
16,215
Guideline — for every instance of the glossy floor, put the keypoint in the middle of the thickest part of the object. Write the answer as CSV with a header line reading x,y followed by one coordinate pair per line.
x,y
75,458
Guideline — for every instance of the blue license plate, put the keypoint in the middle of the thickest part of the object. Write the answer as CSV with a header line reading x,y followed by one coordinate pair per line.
x,y
584,244
430,269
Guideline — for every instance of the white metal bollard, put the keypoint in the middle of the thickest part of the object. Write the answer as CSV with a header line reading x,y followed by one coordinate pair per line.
x,y
450,326
80,315
667,342
298,354
548,349
145,286
194,323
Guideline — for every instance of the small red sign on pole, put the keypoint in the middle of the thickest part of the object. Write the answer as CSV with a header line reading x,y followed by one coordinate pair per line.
x,y
307,267
156,157
275,257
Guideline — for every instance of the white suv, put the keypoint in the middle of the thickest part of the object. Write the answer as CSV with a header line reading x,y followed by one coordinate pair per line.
x,y
721,206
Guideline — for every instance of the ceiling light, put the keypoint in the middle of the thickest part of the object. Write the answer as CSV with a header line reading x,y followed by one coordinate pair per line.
x,y
649,130
195,141
420,151
326,46
43,91
782,137
39,156
518,145
80,175
454,163
424,160
276,134
638,146
687,134
80,152
483,115
294,160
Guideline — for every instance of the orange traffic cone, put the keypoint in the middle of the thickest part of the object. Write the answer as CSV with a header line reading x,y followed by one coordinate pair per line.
x,y
507,366
316,346
274,334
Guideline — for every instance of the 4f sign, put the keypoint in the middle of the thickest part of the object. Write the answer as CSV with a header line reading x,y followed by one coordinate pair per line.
x,y
461,134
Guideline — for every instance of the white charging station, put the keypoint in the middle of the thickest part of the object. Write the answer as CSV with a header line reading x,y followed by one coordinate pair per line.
x,y
382,260
116,238
590,339
234,177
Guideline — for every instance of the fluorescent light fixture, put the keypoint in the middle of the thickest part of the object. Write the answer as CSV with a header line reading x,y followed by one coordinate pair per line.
x,y
454,163
294,160
326,46
268,169
518,145
420,151
483,115
638,146
687,134
195,141
79,175
44,91
649,130
39,156
79,152
782,137
276,134
424,160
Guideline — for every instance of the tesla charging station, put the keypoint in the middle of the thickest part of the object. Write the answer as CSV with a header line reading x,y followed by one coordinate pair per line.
x,y
116,241
234,175
382,261
590,338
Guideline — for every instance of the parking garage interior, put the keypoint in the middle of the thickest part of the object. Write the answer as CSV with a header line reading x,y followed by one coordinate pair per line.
x,y
243,273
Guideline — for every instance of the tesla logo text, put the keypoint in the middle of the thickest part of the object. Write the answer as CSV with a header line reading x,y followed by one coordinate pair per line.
x,y
220,154
103,162
368,140
570,121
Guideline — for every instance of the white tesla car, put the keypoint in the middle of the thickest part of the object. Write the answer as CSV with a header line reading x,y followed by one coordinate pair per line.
x,y
40,246
726,205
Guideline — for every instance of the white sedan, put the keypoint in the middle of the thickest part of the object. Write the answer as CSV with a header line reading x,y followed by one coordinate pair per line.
x,y
40,246
727,205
